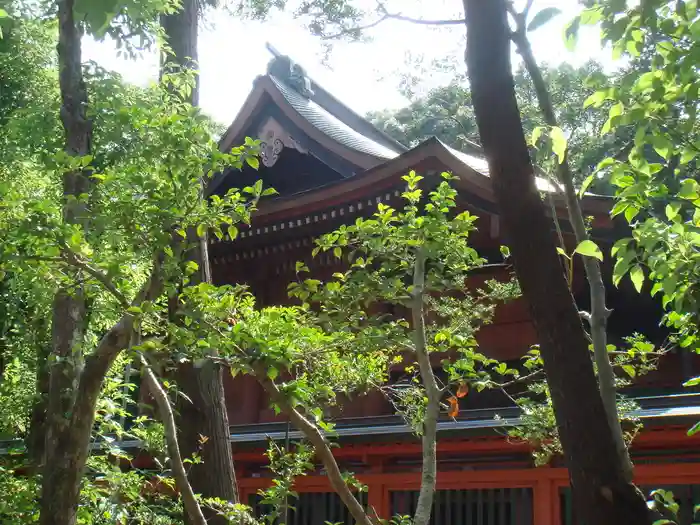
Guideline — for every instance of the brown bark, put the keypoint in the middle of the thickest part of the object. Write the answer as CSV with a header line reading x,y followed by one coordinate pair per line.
x,y
181,34
203,425
165,412
598,317
67,450
602,495
202,416
61,475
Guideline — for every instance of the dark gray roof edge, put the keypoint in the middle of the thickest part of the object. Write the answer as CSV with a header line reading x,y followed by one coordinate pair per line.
x,y
342,111
655,414
363,122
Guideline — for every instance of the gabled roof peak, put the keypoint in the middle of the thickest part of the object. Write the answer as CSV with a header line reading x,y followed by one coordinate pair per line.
x,y
284,69
291,73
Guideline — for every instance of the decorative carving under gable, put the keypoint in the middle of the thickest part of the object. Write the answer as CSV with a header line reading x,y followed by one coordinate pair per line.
x,y
273,139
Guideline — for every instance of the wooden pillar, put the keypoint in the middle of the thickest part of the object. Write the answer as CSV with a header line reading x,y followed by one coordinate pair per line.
x,y
378,500
546,502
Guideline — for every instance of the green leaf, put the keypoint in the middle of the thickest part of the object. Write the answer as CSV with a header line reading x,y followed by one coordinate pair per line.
x,y
692,382
337,252
629,369
440,337
558,143
253,162
637,277
592,15
631,212
689,189
596,99
672,210
543,17
585,185
201,230
505,251
571,33
232,232
272,373
536,134
662,145
688,155
589,249
561,252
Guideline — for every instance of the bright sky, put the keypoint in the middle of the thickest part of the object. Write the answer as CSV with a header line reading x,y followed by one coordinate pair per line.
x,y
363,75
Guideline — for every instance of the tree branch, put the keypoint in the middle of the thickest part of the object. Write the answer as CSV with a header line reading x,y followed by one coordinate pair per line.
x,y
189,499
72,259
386,15
313,434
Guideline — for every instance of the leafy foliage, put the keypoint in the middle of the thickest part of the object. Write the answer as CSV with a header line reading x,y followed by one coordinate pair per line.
x,y
656,187
446,113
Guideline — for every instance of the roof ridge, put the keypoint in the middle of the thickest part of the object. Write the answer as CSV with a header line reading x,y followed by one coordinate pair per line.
x,y
336,106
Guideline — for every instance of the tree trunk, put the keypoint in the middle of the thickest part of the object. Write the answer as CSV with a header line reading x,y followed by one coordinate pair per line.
x,y
67,450
203,425
181,34
598,317
202,419
424,506
194,511
60,481
602,496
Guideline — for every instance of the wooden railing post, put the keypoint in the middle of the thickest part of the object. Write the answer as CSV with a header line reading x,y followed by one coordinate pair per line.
x,y
545,502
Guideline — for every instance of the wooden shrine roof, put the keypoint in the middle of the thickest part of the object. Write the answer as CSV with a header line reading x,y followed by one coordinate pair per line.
x,y
363,166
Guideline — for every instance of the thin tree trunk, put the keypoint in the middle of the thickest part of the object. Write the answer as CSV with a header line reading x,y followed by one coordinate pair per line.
x,y
598,317
321,446
426,495
189,500
202,416
602,494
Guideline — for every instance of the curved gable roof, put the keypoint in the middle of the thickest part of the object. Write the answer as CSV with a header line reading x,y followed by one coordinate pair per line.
x,y
331,125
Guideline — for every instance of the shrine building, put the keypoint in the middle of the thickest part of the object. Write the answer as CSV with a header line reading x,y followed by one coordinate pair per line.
x,y
329,166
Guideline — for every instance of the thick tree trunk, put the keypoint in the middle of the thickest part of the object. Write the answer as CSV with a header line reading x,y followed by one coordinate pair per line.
x,y
202,419
67,451
598,317
602,495
203,425
181,34
60,481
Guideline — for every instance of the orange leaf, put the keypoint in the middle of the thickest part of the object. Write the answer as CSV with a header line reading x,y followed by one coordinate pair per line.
x,y
463,390
454,407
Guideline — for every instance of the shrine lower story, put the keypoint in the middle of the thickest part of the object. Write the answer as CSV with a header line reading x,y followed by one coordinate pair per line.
x,y
481,481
